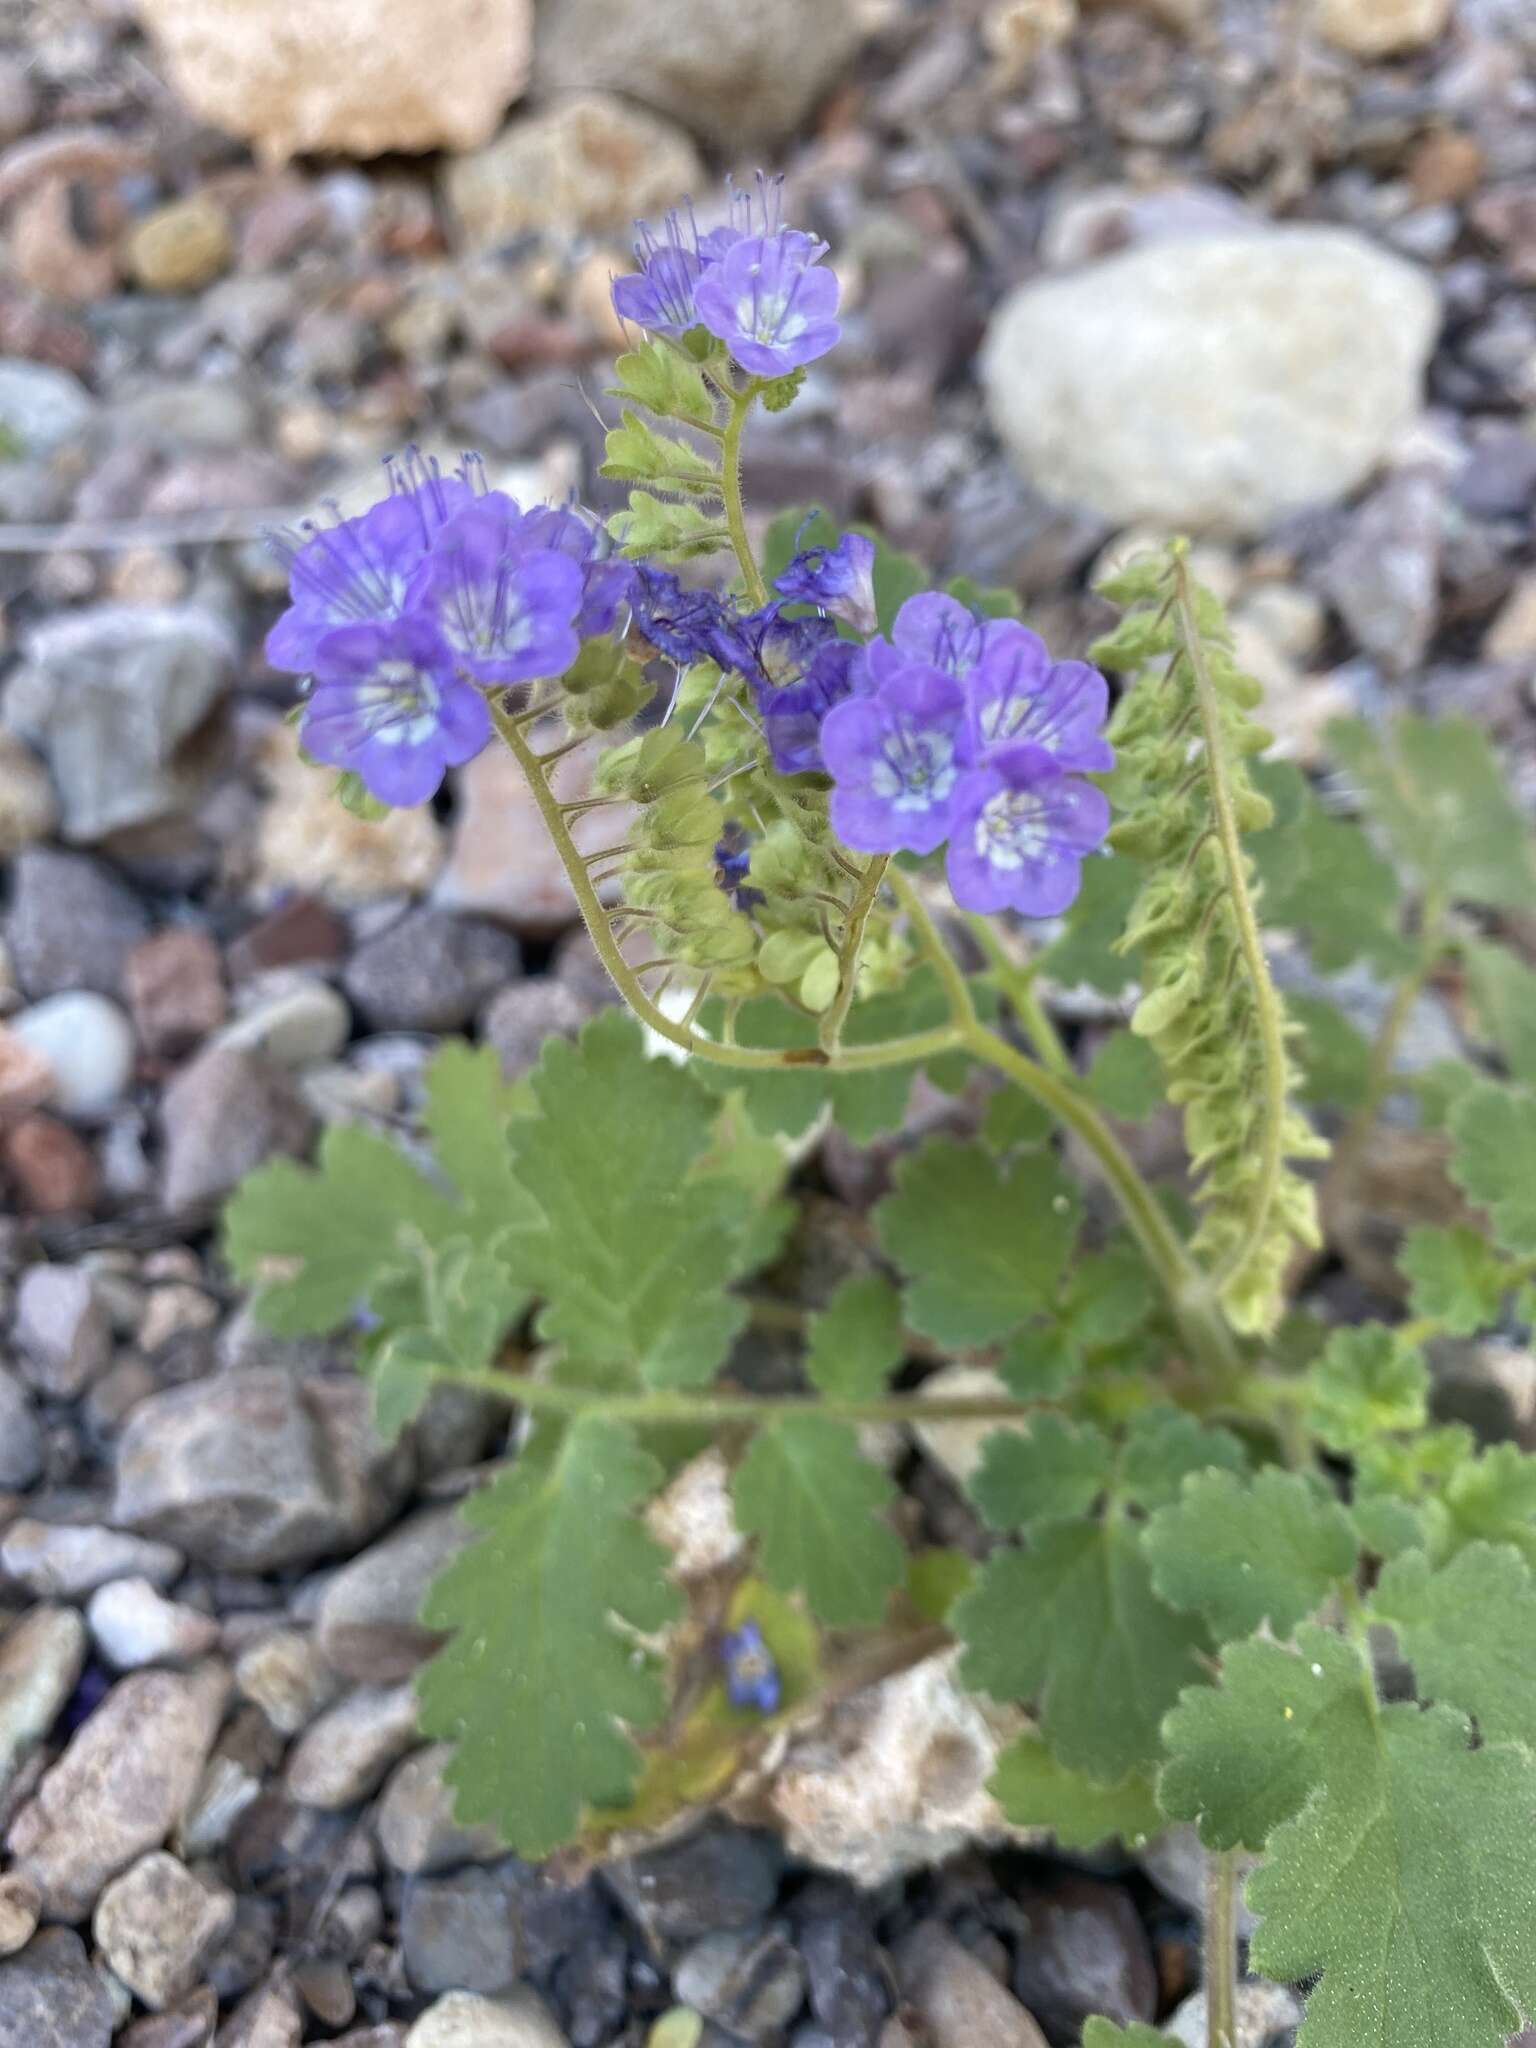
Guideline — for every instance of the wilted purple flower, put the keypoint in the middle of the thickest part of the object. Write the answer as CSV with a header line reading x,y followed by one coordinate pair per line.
x,y
840,580
793,713
1016,692
388,705
1019,831
733,862
751,1675
681,624
770,303
506,608
894,762
606,578
767,647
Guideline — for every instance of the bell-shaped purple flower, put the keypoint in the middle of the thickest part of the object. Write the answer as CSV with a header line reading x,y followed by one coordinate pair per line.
x,y
388,705
1016,692
359,570
768,648
506,609
894,760
682,624
839,580
1019,830
606,578
769,301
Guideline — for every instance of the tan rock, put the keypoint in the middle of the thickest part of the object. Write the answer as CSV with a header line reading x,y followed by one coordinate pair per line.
x,y
180,247
20,1904
1381,28
29,810
1512,636
588,164
357,77
155,1925
306,840
26,1076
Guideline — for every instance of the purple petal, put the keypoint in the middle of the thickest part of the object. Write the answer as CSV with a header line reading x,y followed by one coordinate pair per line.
x,y
1017,693
1020,831
769,303
894,762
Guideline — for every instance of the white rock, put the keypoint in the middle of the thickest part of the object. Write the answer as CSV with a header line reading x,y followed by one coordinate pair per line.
x,y
1219,382
40,1658
72,1558
463,2020
308,841
344,1754
133,1624
88,1042
346,76
296,1020
896,1779
41,407
157,1923
737,74
695,1520
1262,2012
955,1447
1380,28
62,1330
586,165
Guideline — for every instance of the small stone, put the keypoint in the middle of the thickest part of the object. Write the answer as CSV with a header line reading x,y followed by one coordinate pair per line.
x,y
326,80
1381,28
1512,636
417,1831
366,1625
587,164
53,1171
26,1078
29,810
1384,575
267,2018
1082,1949
750,1981
958,2000
520,1019
719,1876
175,991
223,1114
738,76
71,1559
344,1755
301,932
292,1020
173,1315
61,1330
693,1517
20,1905
459,1933
120,1786
41,1657
21,1436
157,1923
1263,2013
307,840
1216,382
42,409
50,1997
118,698
71,923
133,1625
180,247
285,1675
253,1470
502,864
191,2025
430,971
88,1043
462,2020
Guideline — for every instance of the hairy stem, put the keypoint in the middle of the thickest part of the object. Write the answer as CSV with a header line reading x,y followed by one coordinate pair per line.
x,y
1017,983
848,955
1220,1946
1266,1004
735,512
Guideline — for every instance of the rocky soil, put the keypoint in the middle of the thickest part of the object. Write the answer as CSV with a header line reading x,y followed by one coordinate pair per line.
x,y
1262,270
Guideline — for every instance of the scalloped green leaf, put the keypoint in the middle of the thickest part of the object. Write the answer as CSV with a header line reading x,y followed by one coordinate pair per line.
x,y
818,1509
1503,991
1366,1384
1454,1277
1052,1472
1243,1551
1493,1132
1469,1631
856,1341
1036,1791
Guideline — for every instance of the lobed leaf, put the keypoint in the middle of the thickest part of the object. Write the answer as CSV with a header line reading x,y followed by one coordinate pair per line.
x,y
856,1341
1453,1277
1493,1132
1503,991
817,1507
1035,1790
1055,1471
1243,1551
1367,1383
1469,1631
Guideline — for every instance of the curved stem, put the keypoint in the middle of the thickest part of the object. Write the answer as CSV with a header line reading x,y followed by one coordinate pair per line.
x,y
848,956
1017,983
735,512
1220,1949
1266,1005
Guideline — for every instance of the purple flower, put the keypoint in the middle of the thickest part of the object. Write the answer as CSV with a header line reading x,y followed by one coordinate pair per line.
x,y
840,580
606,579
768,648
1016,692
388,705
769,303
506,607
681,624
359,570
894,759
733,862
1019,831
938,629
659,296
793,713
751,1675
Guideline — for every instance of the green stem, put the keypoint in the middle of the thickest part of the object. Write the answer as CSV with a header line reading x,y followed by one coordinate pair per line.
x,y
1266,1004
1220,1949
735,511
848,958
894,1052
1017,983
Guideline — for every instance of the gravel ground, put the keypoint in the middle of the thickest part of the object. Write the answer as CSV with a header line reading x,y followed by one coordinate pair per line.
x,y
1072,254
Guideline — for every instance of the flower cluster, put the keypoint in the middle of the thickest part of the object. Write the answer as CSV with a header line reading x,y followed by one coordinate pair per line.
x,y
405,615
753,284
967,732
